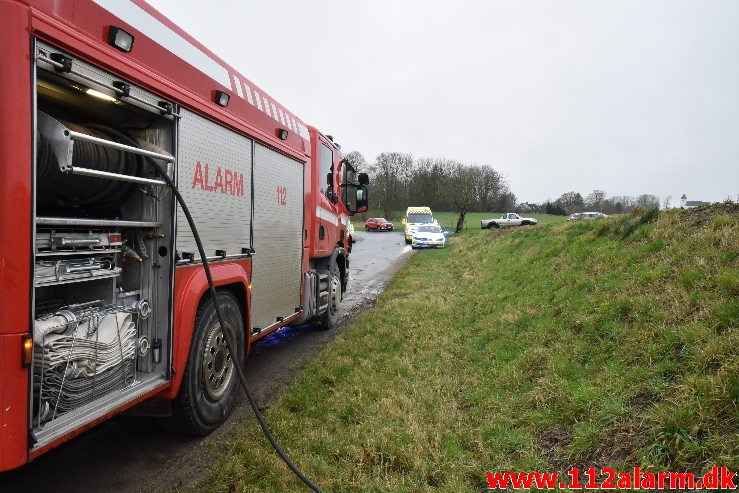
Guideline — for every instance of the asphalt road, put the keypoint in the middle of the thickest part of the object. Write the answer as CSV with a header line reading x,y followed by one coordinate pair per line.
x,y
128,454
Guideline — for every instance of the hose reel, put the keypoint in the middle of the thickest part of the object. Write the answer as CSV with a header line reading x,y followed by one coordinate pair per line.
x,y
58,155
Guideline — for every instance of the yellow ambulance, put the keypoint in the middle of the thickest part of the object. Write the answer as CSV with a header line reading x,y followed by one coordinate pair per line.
x,y
414,217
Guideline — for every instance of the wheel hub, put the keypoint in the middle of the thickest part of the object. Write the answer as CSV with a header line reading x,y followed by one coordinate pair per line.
x,y
217,363
335,295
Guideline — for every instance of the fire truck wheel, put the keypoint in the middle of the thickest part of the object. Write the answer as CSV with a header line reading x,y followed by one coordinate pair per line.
x,y
209,385
330,317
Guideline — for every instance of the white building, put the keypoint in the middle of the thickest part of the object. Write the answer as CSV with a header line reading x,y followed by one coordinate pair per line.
x,y
687,204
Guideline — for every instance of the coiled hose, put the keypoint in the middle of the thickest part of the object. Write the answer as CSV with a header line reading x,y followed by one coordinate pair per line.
x,y
56,187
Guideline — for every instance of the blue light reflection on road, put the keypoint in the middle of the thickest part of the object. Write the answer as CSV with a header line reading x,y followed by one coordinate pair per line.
x,y
281,335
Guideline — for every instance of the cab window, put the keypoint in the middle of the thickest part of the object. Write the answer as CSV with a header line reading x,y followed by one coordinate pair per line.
x,y
327,161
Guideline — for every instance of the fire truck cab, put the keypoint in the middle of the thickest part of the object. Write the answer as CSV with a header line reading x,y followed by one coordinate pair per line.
x,y
102,290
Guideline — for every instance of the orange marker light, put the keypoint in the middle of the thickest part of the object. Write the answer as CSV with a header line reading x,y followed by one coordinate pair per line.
x,y
27,351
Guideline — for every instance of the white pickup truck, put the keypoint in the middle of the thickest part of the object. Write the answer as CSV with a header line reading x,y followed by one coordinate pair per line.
x,y
506,220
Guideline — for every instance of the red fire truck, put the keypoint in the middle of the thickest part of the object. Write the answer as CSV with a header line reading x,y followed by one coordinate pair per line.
x,y
102,291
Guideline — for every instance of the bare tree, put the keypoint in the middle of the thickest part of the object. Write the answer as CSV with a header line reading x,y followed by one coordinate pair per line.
x,y
460,187
390,179
357,160
505,201
648,201
571,202
619,204
595,200
427,185
490,185
667,202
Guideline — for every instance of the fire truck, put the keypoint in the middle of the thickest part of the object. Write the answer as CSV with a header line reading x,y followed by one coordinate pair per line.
x,y
103,295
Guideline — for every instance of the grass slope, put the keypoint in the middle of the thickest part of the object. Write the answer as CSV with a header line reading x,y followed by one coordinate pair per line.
x,y
601,343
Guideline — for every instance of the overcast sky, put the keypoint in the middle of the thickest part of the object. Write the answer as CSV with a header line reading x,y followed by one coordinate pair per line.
x,y
627,96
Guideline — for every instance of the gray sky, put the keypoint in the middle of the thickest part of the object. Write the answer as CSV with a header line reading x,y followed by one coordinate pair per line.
x,y
628,96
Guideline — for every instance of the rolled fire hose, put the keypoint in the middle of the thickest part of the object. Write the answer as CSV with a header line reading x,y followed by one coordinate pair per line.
x,y
83,358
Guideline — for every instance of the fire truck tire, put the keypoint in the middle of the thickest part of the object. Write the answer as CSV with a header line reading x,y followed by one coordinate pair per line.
x,y
330,317
210,383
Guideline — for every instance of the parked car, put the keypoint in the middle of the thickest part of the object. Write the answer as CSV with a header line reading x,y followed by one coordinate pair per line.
x,y
585,215
428,236
378,224
506,220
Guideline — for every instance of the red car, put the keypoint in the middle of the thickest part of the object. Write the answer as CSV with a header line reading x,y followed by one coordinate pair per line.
x,y
378,224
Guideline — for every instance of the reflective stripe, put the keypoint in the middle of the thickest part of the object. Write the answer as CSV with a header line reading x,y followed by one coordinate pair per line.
x,y
303,131
326,215
247,90
134,15
238,87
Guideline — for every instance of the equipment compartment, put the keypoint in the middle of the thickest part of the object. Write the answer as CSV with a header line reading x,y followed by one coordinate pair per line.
x,y
104,225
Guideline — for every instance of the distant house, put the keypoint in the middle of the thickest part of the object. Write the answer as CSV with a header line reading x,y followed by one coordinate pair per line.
x,y
687,204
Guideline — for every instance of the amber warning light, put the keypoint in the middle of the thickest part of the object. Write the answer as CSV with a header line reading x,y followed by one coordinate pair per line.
x,y
27,350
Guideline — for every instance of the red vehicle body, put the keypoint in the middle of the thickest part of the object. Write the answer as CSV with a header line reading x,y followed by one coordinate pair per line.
x,y
270,195
378,224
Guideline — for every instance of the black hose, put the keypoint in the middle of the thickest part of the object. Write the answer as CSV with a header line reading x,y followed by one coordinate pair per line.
x,y
227,335
94,191
55,186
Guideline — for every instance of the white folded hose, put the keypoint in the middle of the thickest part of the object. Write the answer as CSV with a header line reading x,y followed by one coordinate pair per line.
x,y
88,347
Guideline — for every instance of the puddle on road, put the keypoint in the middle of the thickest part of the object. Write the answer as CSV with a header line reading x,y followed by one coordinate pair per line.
x,y
281,335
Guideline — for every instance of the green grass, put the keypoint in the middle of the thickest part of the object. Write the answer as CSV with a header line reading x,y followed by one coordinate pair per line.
x,y
593,344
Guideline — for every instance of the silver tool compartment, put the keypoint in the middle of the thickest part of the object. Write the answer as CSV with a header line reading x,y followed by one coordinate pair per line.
x,y
214,172
278,238
103,244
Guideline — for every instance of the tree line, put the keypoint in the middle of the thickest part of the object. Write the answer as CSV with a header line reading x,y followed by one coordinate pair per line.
x,y
399,180
596,201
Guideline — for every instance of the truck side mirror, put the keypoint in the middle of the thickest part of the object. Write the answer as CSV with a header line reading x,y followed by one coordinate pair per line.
x,y
362,198
404,221
363,179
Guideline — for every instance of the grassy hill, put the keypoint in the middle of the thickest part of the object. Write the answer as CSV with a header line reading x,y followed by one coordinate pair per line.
x,y
601,343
